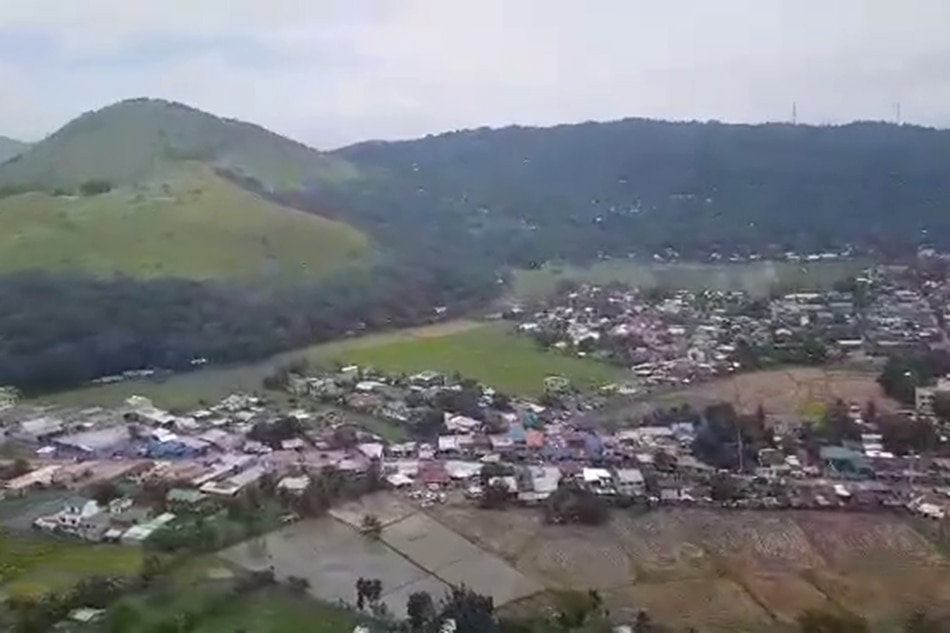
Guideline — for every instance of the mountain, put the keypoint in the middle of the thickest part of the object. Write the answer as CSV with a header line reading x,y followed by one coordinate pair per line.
x,y
128,142
10,148
524,195
137,189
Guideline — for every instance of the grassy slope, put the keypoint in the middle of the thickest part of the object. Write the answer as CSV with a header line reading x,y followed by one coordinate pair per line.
x,y
484,351
10,148
189,223
127,142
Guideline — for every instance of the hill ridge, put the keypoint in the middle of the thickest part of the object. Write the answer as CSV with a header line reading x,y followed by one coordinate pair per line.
x,y
125,142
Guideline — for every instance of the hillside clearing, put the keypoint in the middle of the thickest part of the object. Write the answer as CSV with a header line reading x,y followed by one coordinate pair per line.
x,y
757,278
190,224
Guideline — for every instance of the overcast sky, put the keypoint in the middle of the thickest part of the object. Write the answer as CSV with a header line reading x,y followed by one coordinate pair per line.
x,y
329,72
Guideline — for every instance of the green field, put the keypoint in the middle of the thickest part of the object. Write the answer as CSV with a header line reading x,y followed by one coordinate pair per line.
x,y
188,223
488,352
34,566
758,278
491,354
276,611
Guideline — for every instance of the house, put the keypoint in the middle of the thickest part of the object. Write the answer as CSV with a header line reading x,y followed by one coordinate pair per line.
x,y
845,461
181,499
39,477
629,482
83,518
294,485
39,430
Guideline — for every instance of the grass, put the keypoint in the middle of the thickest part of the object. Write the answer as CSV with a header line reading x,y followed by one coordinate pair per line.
x,y
754,277
491,354
199,227
126,142
487,352
34,566
277,611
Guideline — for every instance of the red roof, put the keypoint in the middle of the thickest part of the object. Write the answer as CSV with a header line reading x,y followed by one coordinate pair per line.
x,y
534,439
432,472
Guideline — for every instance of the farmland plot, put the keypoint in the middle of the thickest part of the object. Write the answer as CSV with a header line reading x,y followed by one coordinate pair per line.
x,y
661,545
785,595
386,507
856,541
712,604
755,541
457,561
577,558
504,533
333,556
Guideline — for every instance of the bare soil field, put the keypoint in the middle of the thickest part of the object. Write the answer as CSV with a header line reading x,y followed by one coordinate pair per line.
x,y
708,604
662,546
857,541
784,595
504,533
385,507
754,541
456,560
711,570
789,391
580,558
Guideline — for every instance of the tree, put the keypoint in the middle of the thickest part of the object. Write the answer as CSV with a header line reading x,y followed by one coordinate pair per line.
x,y
104,492
371,526
95,187
420,611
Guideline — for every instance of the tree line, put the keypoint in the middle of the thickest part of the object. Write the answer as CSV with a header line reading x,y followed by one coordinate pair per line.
x,y
58,331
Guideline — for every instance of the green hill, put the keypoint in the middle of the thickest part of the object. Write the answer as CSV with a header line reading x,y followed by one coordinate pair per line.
x,y
187,223
125,143
10,148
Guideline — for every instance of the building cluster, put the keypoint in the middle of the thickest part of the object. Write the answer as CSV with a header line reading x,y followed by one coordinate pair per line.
x,y
679,338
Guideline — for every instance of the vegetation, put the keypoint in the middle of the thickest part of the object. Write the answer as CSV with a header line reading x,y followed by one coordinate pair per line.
x,y
198,227
526,196
63,331
130,141
491,354
10,148
31,566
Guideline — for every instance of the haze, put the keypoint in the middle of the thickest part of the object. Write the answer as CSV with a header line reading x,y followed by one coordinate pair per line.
x,y
330,73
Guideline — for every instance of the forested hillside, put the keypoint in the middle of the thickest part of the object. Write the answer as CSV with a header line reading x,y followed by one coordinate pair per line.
x,y
574,191
10,148
125,250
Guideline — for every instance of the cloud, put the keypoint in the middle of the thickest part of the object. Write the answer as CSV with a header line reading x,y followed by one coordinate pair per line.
x,y
331,71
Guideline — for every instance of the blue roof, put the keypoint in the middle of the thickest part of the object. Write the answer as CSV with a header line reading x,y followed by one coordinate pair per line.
x,y
593,444
516,433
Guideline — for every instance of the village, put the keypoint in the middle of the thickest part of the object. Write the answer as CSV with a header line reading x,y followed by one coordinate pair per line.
x,y
450,442
680,337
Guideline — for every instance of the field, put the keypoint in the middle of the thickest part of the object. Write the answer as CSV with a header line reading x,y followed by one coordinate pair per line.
x,y
34,566
758,278
721,571
192,225
484,351
416,553
799,391
491,353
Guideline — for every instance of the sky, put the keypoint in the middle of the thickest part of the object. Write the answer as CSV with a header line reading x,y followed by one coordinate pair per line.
x,y
331,72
